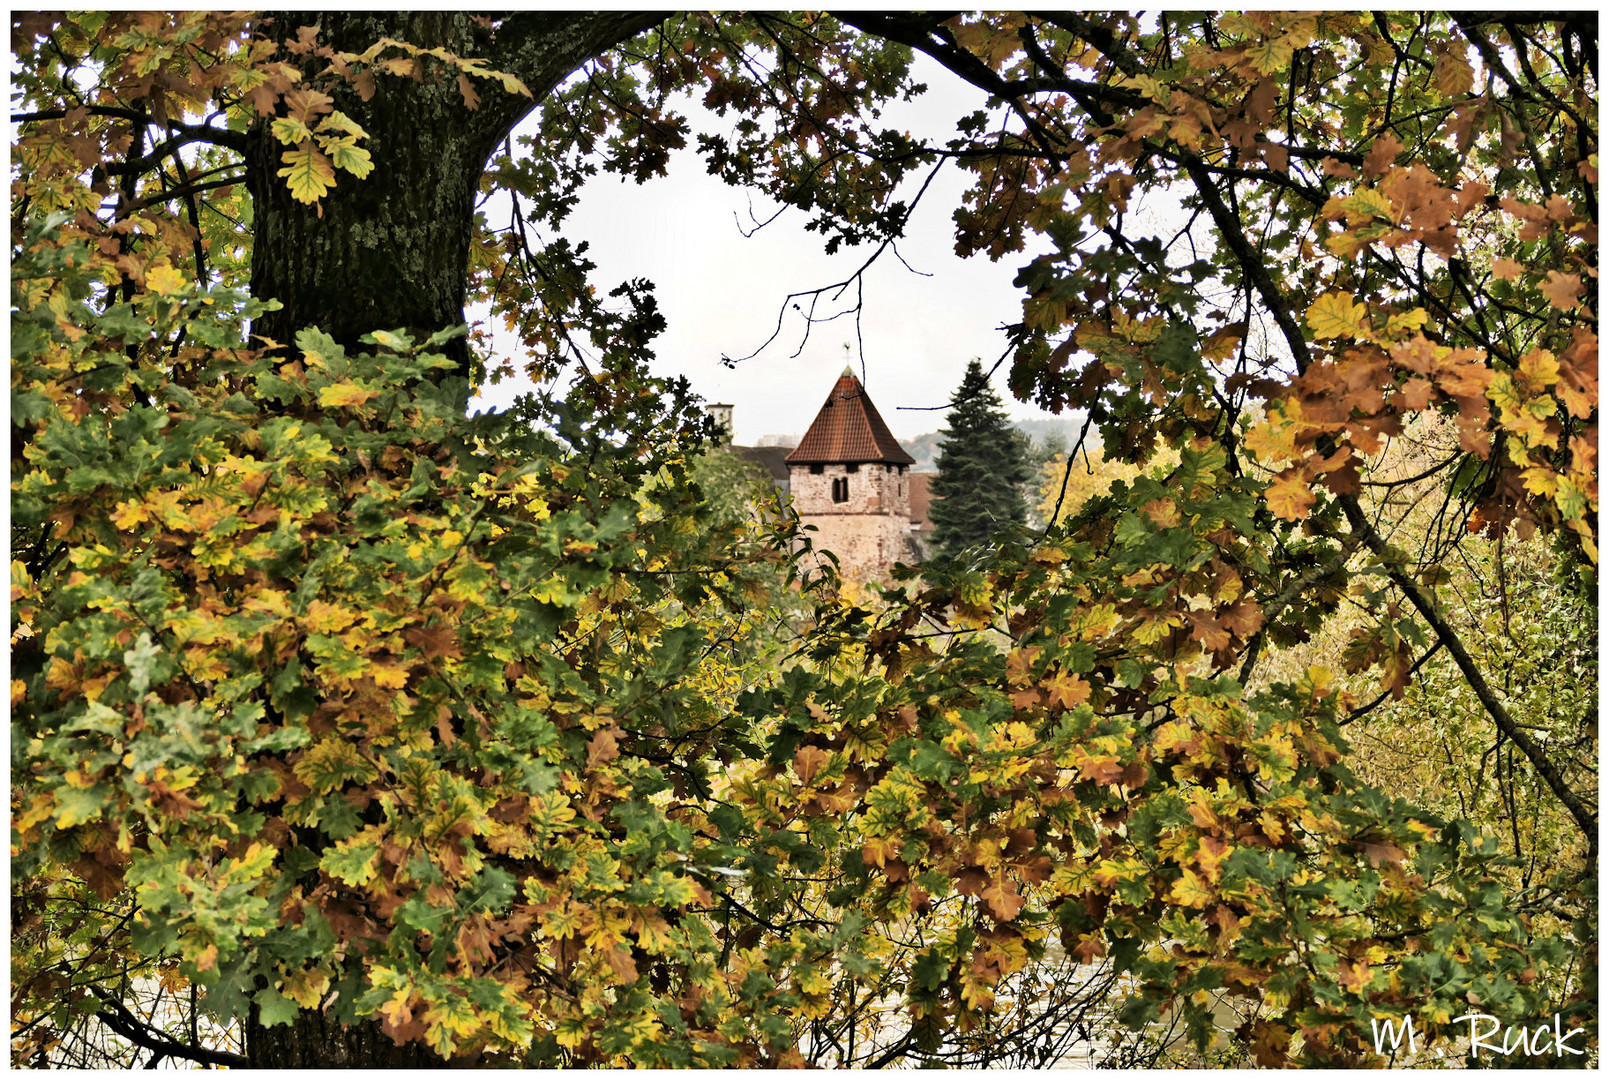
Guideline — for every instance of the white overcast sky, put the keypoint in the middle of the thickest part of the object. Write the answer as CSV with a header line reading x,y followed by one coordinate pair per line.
x,y
721,292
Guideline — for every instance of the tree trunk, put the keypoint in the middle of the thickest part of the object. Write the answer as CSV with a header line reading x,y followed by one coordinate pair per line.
x,y
391,251
312,1042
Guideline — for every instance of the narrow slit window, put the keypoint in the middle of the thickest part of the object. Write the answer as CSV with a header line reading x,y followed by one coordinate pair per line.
x,y
840,489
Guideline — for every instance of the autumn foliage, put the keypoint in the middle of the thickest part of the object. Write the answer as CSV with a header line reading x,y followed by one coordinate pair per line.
x,y
496,736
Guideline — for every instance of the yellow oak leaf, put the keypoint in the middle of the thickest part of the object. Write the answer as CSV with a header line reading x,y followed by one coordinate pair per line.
x,y
1067,690
1271,441
1336,315
1407,320
1354,976
389,676
1289,496
306,988
1210,854
339,121
1538,370
1269,56
1452,74
397,1010
165,280
130,513
308,173
290,131
1191,891
346,154
343,393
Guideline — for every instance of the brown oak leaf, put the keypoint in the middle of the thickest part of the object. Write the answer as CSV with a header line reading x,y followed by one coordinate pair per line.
x,y
1562,290
1003,898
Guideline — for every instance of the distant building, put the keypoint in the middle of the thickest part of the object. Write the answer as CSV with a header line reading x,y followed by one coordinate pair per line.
x,y
921,499
850,478
773,459
722,415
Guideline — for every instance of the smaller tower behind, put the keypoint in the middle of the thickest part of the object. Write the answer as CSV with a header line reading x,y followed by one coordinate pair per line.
x,y
850,478
722,415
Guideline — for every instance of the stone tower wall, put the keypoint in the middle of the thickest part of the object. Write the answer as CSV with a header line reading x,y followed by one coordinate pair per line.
x,y
873,489
867,531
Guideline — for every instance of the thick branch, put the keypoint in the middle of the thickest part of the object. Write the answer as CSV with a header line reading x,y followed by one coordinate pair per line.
x,y
187,133
115,1015
1250,261
173,146
541,48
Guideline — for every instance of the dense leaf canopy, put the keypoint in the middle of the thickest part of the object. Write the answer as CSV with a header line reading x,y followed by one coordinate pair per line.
x,y
381,735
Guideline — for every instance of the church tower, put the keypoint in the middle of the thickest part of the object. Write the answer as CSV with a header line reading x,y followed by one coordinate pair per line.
x,y
851,479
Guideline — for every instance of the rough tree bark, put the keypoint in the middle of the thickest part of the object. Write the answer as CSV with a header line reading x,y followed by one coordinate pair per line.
x,y
392,251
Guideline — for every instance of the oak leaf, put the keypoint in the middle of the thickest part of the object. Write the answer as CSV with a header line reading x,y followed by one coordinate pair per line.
x,y
1272,442
1382,155
1003,898
1207,630
435,642
308,173
1506,269
1354,975
1271,56
1337,168
1336,315
1191,891
602,748
1382,851
1416,394
290,131
1562,290
346,154
306,104
339,395
1538,370
1289,496
809,761
1452,74
1067,690
1269,1044
165,280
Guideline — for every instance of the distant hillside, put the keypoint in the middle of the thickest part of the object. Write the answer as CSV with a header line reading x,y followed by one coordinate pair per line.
x,y
925,448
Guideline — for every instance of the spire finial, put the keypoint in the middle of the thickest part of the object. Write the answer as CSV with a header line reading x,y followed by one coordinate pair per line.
x,y
849,371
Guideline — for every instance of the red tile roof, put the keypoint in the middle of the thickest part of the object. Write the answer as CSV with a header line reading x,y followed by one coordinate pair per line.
x,y
848,429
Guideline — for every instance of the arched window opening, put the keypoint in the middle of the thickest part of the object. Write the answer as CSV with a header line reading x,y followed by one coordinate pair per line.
x,y
840,489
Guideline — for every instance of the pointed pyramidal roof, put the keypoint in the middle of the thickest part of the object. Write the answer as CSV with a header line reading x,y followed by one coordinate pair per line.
x,y
848,429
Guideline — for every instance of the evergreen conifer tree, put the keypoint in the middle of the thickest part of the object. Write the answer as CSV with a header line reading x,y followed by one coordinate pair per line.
x,y
982,464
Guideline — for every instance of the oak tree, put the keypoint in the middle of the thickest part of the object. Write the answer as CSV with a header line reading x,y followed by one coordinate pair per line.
x,y
391,735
